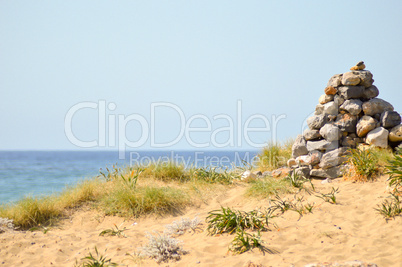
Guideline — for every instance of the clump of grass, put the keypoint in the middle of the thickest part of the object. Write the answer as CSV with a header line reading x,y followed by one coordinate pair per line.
x,y
227,220
268,186
279,206
362,165
169,171
296,180
394,170
384,156
79,194
390,209
214,175
116,231
124,201
162,248
97,260
275,155
30,212
180,227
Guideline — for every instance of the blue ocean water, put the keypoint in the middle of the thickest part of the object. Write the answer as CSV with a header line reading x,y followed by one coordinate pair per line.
x,y
38,173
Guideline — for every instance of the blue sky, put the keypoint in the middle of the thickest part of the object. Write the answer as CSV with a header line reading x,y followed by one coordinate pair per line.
x,y
204,58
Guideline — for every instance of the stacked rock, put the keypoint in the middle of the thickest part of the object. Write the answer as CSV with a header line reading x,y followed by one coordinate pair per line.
x,y
348,114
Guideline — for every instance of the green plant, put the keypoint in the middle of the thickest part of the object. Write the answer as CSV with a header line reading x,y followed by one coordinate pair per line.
x,y
96,260
162,248
280,204
298,181
390,209
309,207
112,174
394,170
131,179
114,232
227,220
244,241
329,197
363,165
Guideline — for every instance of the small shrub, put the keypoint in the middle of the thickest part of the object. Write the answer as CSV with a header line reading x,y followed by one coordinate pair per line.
x,y
228,221
180,227
244,241
390,209
162,248
114,232
363,165
96,260
394,170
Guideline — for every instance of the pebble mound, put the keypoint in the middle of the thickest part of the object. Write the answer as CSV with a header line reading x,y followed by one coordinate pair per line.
x,y
348,114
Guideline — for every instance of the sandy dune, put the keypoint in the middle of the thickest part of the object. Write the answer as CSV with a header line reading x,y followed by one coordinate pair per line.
x,y
351,230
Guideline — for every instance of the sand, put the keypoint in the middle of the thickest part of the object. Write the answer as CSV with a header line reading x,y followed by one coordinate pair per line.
x,y
350,230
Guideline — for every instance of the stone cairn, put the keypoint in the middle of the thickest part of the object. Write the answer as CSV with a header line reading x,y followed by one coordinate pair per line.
x,y
348,114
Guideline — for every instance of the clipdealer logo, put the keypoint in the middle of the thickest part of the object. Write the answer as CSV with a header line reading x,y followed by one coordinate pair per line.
x,y
112,127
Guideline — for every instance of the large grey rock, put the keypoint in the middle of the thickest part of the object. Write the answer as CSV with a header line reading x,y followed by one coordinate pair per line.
x,y
333,172
348,92
346,122
303,171
365,125
366,78
319,109
353,106
378,137
390,119
371,92
395,134
334,158
322,145
331,108
325,98
299,147
330,132
335,80
311,134
316,121
350,78
376,106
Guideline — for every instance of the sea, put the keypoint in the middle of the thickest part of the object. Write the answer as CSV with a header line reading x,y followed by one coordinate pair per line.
x,y
41,173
